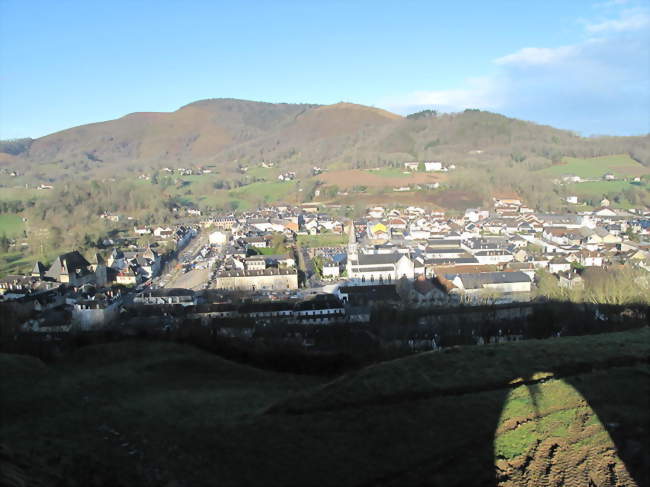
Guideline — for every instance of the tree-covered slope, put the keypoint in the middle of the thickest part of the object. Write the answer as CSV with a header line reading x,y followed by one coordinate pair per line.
x,y
233,132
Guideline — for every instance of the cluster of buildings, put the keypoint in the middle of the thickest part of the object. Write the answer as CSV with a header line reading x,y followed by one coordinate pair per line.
x,y
492,253
429,166
411,257
487,254
71,292
74,291
287,176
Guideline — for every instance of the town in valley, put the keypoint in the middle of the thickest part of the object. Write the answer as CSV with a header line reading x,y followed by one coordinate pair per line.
x,y
241,274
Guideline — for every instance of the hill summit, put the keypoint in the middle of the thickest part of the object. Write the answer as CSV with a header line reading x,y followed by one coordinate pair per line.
x,y
230,132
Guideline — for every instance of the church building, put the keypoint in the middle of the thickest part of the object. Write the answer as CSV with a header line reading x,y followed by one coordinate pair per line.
x,y
376,267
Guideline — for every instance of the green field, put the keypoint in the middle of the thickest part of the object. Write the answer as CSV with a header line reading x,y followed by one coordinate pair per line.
x,y
323,240
599,188
243,198
391,172
268,173
622,166
268,192
21,194
11,225
146,413
220,199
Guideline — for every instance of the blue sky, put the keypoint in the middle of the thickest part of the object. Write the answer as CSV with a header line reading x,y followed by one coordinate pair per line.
x,y
578,65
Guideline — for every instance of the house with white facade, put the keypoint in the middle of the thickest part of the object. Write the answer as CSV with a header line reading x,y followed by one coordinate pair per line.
x,y
433,166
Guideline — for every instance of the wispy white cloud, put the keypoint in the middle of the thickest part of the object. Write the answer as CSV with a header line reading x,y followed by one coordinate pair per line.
x,y
598,85
628,20
538,55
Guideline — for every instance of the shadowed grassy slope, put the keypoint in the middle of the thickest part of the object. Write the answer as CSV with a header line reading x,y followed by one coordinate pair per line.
x,y
98,412
461,370
150,414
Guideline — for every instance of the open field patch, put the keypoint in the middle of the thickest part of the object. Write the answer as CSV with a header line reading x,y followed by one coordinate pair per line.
x,y
388,177
391,172
21,194
266,192
221,199
323,240
11,225
267,173
596,167
600,188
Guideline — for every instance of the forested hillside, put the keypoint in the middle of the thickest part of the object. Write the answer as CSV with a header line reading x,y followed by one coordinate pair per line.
x,y
234,132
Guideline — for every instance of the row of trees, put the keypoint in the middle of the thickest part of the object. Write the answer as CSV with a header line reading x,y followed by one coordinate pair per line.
x,y
616,286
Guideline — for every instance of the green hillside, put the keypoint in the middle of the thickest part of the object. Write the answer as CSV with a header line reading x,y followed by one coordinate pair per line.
x,y
11,225
621,166
564,411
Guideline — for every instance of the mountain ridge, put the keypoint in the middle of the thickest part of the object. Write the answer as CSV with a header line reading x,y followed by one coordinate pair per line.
x,y
232,132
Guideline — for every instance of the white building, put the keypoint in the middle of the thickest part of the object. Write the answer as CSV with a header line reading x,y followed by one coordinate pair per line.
x,y
433,166
377,267
475,214
218,238
331,269
411,166
511,286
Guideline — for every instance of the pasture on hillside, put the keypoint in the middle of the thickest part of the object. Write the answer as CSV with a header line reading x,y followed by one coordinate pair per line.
x,y
221,199
622,166
18,193
11,225
266,173
266,192
244,197
595,189
391,172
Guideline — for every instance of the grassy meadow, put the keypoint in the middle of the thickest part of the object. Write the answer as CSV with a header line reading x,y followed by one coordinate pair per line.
x,y
267,173
557,412
265,191
622,166
391,172
323,240
21,194
11,225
